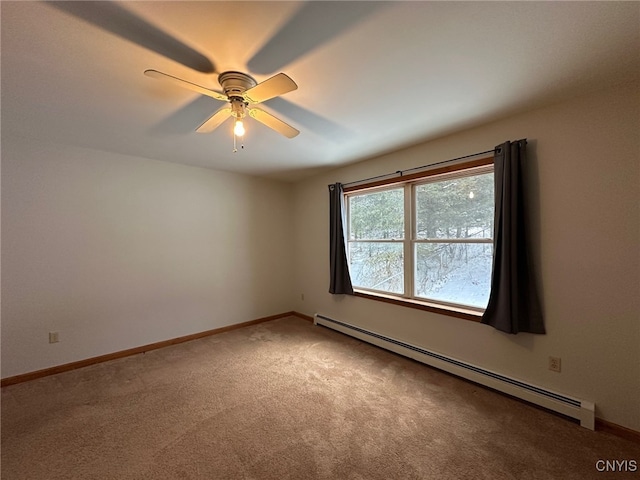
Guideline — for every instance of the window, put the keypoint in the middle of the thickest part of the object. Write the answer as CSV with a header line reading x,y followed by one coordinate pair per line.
x,y
425,240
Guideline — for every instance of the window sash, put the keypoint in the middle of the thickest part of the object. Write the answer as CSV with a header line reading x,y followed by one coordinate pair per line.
x,y
410,240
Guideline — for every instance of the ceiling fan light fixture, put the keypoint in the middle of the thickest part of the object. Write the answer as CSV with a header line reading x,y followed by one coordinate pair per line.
x,y
238,128
238,112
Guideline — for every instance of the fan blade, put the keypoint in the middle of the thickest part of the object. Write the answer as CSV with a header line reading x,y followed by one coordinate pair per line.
x,y
114,18
214,120
329,129
313,25
184,84
273,122
272,87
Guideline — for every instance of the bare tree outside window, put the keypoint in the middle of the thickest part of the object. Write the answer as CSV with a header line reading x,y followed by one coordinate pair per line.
x,y
376,232
454,246
441,251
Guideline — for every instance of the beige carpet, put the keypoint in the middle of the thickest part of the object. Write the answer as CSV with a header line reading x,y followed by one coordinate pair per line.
x,y
282,400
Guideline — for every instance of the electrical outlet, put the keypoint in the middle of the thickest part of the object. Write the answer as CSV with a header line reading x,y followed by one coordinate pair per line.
x,y
54,337
554,364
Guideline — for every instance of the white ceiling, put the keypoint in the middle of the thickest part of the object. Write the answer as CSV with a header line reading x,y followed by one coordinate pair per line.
x,y
372,76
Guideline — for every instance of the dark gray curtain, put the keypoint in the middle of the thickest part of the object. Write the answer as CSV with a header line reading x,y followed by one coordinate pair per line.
x,y
340,279
513,303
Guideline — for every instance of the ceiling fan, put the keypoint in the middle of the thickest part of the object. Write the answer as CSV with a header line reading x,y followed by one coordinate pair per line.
x,y
241,92
283,48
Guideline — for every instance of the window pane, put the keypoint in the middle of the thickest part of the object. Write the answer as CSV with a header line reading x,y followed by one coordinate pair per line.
x,y
455,208
377,216
454,272
378,266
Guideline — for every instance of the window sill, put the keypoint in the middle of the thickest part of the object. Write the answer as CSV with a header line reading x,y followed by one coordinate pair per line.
x,y
465,314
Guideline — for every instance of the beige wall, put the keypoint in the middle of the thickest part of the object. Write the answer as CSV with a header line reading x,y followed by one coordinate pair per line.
x,y
116,252
584,183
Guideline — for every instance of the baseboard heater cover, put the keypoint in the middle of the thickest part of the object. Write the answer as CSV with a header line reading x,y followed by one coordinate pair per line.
x,y
582,410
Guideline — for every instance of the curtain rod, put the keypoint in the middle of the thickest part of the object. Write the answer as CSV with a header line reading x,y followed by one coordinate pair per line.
x,y
402,172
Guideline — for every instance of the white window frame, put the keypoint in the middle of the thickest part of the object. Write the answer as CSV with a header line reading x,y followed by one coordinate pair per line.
x,y
410,241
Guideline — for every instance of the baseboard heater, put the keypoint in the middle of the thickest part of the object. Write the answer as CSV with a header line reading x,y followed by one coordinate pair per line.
x,y
582,410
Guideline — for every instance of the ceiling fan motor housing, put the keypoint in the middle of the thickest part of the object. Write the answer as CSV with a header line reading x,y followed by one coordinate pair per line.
x,y
234,84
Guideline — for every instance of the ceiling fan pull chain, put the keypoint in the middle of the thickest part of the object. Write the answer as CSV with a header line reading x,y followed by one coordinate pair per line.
x,y
235,149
